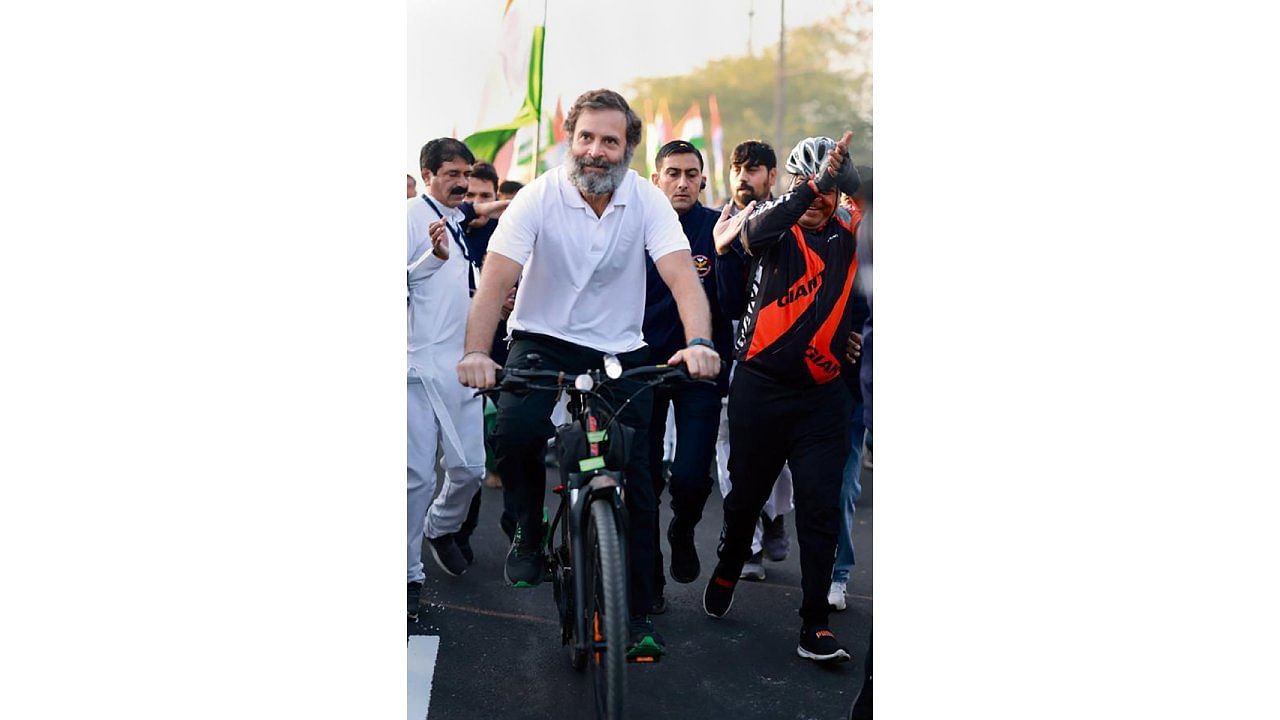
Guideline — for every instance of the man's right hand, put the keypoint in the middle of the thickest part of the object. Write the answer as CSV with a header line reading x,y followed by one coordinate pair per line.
x,y
728,228
837,170
439,239
476,370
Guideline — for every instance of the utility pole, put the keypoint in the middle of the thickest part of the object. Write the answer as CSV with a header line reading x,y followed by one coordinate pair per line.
x,y
751,21
779,90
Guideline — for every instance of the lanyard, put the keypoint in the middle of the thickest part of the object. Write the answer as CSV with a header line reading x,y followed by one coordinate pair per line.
x,y
456,237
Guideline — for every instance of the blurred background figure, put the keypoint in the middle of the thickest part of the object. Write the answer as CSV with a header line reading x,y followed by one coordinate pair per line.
x,y
508,189
851,485
413,187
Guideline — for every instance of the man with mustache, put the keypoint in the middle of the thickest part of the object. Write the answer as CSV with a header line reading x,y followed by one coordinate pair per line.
x,y
753,169
786,403
697,407
577,238
438,405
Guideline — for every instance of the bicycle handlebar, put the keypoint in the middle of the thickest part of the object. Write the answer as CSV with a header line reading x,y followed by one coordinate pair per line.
x,y
513,379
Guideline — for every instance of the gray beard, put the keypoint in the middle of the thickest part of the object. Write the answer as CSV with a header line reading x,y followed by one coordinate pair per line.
x,y
598,184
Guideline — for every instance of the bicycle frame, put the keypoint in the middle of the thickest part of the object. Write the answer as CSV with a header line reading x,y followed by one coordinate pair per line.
x,y
577,489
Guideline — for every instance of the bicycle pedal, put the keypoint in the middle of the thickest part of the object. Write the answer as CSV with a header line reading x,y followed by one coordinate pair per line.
x,y
645,651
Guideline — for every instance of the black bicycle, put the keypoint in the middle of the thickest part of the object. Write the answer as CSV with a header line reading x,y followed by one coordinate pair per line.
x,y
586,539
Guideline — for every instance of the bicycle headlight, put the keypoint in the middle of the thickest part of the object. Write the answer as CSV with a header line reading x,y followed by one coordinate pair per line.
x,y
612,367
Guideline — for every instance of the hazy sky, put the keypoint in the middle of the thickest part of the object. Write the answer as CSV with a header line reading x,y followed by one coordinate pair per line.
x,y
589,44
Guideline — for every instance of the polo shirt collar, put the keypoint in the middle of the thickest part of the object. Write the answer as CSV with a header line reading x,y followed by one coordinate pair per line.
x,y
573,198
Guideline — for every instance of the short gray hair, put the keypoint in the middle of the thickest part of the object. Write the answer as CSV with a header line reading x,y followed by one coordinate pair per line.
x,y
604,99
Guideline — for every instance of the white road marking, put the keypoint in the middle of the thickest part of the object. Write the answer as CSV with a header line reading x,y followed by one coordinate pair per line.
x,y
423,650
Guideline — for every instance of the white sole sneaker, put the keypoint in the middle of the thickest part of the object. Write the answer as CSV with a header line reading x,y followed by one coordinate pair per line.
x,y
436,556
711,614
838,656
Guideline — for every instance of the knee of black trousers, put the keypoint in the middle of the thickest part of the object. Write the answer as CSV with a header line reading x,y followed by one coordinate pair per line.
x,y
689,494
821,523
641,495
517,435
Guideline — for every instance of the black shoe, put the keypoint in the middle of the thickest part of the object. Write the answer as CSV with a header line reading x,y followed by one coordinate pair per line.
x,y
659,605
464,547
526,565
646,644
717,598
415,599
776,544
447,555
685,567
819,643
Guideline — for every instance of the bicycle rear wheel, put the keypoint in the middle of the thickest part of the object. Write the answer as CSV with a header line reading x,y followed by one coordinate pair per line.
x,y
607,609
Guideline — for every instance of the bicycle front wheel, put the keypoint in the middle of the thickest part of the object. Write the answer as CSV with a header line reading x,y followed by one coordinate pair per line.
x,y
607,609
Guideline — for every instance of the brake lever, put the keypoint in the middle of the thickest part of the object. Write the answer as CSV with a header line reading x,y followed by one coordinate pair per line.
x,y
514,387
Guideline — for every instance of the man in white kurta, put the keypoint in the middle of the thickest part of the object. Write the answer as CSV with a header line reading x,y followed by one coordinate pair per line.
x,y
441,410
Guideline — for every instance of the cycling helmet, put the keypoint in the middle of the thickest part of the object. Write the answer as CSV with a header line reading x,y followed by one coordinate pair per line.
x,y
806,157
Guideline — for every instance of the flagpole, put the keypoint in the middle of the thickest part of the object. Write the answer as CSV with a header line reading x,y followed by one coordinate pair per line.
x,y
537,136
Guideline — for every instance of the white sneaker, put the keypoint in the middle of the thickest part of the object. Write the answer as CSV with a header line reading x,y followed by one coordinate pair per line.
x,y
835,596
753,569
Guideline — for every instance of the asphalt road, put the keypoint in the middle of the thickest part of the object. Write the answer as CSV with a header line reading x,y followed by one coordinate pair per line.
x,y
500,654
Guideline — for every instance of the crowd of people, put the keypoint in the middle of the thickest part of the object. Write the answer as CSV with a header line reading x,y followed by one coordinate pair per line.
x,y
769,298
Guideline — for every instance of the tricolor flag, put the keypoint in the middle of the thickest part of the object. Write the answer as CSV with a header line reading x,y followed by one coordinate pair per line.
x,y
522,167
663,121
690,128
717,149
657,133
557,145
651,143
513,90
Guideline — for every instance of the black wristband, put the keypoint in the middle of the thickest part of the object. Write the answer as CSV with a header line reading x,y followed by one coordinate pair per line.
x,y
703,342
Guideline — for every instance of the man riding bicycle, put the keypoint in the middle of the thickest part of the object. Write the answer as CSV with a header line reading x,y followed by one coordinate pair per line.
x,y
576,238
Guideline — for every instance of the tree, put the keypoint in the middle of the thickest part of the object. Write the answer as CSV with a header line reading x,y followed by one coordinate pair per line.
x,y
819,98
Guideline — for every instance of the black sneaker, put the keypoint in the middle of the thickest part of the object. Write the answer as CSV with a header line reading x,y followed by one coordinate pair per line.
x,y
659,605
718,597
526,565
464,547
685,567
819,643
415,599
646,644
447,555
776,544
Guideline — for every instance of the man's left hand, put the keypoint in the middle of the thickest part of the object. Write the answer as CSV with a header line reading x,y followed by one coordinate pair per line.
x,y
702,361
853,349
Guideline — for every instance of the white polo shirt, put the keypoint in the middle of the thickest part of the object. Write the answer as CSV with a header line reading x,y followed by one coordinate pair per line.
x,y
584,276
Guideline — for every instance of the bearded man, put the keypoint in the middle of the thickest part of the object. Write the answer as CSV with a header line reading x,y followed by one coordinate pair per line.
x,y
576,238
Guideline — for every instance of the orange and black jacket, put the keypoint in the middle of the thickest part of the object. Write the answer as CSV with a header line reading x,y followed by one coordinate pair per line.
x,y
799,308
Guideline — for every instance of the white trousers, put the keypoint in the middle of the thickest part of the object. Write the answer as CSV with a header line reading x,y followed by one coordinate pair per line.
x,y
669,438
780,500
463,470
